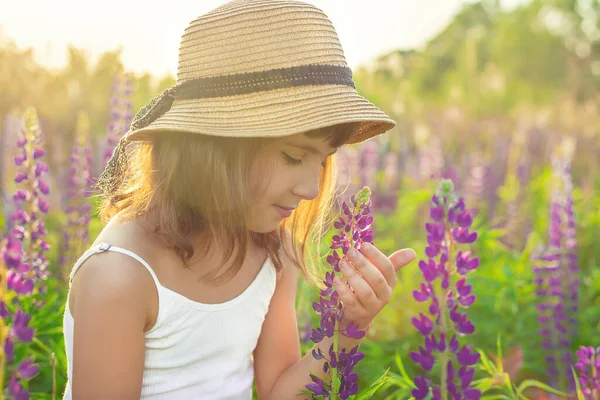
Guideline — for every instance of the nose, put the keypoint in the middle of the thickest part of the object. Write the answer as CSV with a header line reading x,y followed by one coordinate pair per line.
x,y
307,187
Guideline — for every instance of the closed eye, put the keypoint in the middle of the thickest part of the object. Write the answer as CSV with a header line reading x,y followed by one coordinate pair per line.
x,y
293,161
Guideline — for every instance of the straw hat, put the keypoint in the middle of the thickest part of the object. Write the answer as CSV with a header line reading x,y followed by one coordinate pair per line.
x,y
255,68
260,68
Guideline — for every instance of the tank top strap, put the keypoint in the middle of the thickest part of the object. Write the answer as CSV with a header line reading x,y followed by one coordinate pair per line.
x,y
101,247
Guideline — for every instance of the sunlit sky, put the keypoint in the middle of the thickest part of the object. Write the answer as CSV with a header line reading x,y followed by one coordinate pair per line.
x,y
149,32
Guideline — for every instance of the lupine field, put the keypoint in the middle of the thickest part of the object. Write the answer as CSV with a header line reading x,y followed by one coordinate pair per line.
x,y
491,175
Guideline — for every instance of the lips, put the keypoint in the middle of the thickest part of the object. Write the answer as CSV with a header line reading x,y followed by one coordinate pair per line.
x,y
286,208
284,211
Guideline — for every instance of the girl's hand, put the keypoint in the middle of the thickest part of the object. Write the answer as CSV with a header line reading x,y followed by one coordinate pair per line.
x,y
372,275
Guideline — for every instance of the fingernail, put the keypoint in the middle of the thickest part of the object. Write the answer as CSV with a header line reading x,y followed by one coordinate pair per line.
x,y
352,252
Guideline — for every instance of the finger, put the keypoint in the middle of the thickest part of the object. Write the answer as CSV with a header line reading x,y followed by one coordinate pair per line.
x,y
351,303
381,261
402,257
371,287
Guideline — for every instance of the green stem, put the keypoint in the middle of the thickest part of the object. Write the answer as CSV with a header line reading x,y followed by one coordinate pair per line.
x,y
30,206
29,147
444,355
334,384
444,323
53,376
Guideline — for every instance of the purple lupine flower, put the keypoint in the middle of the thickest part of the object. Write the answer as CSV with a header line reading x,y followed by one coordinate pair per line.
x,y
431,157
12,253
18,284
19,159
23,265
386,200
477,183
27,369
557,281
493,181
587,367
16,391
21,329
121,114
390,170
515,224
9,349
446,289
355,229
31,206
75,235
369,163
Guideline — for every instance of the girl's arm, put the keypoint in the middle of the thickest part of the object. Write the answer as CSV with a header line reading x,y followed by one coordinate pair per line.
x,y
278,346
280,371
111,294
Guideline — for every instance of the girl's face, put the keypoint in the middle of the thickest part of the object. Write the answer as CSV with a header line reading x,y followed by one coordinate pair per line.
x,y
288,169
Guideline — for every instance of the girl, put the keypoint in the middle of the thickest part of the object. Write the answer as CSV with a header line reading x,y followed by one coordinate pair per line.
x,y
209,201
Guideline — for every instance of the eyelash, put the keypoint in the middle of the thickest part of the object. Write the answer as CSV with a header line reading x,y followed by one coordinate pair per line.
x,y
292,161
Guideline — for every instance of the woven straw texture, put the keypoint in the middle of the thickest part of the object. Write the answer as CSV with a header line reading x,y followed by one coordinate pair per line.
x,y
245,36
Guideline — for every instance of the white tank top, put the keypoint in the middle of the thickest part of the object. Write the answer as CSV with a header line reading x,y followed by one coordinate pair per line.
x,y
195,350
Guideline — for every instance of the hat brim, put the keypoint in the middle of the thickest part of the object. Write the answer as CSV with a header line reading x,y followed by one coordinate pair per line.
x,y
273,113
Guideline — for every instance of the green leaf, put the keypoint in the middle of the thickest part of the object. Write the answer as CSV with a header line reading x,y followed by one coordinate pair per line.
x,y
495,397
397,380
402,370
42,345
50,331
395,395
483,384
370,391
537,384
487,365
577,386
499,362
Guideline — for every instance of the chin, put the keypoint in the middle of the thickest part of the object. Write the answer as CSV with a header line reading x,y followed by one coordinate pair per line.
x,y
263,228
265,221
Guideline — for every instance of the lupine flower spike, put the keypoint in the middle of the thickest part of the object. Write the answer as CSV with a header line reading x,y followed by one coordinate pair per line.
x,y
446,289
31,206
78,208
120,113
587,367
355,229
22,260
557,281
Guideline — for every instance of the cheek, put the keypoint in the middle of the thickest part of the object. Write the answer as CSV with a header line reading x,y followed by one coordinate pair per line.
x,y
278,184
271,179
261,175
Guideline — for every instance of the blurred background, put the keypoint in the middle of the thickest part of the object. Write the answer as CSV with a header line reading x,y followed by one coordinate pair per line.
x,y
501,97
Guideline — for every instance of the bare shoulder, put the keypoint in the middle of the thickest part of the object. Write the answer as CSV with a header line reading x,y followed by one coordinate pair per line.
x,y
110,306
111,276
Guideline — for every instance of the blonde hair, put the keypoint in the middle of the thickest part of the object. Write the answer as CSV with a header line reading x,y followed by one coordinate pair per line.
x,y
163,175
